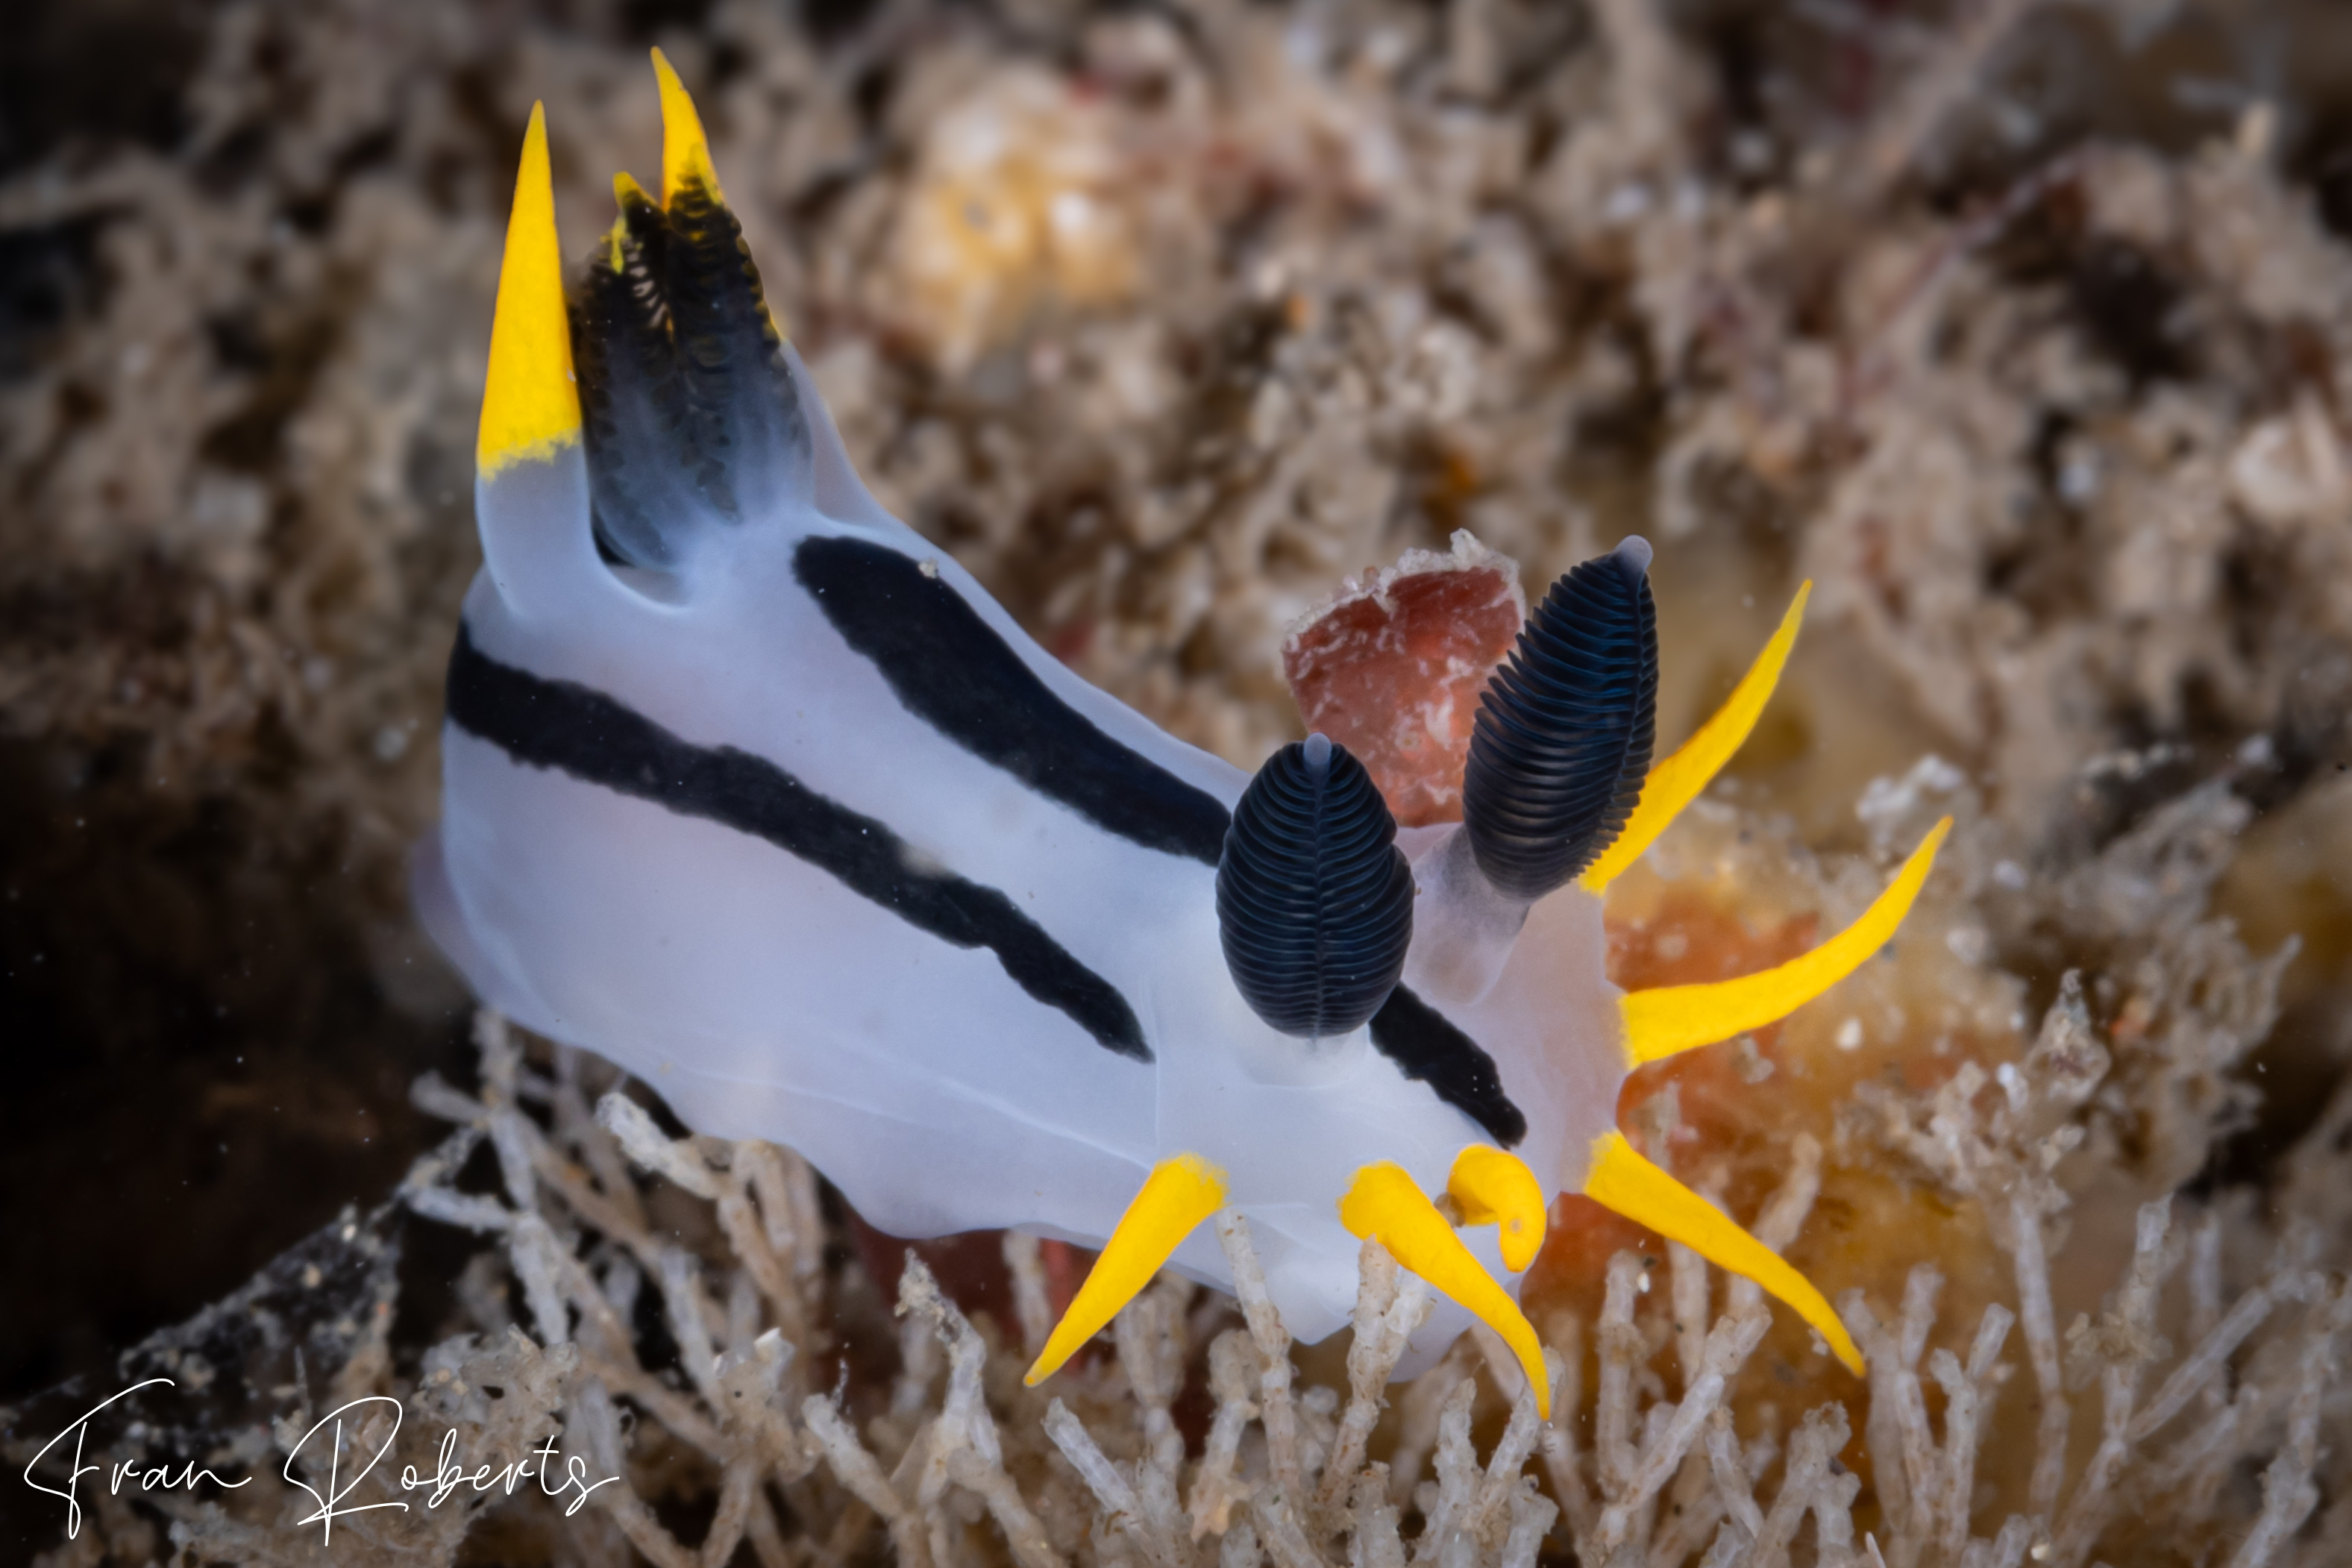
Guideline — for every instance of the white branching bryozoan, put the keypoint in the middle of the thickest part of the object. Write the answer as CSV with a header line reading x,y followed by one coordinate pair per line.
x,y
664,1306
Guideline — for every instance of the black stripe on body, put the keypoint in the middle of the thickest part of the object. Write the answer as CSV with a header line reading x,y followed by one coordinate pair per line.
x,y
1428,1048
952,669
582,732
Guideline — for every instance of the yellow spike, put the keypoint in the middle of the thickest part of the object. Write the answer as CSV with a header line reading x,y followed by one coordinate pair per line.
x,y
1676,782
686,152
1674,1018
624,189
1384,1203
1625,1182
1176,1197
1494,1186
531,404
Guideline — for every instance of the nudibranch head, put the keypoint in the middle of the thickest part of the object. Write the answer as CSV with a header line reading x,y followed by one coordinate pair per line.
x,y
750,789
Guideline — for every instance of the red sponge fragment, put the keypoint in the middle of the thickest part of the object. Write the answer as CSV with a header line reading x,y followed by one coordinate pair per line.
x,y
1391,668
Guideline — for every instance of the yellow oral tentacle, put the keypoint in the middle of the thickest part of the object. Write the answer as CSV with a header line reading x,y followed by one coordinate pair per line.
x,y
1176,1197
1676,782
1625,1182
1385,1204
1494,1186
530,403
686,152
1672,1018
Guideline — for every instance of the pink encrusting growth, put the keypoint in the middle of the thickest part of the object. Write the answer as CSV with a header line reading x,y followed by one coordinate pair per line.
x,y
1391,668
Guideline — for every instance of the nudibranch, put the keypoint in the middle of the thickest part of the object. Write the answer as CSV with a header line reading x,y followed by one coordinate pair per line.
x,y
754,792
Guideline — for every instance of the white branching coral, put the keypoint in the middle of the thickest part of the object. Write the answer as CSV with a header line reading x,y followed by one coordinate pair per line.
x,y
671,1311
678,1316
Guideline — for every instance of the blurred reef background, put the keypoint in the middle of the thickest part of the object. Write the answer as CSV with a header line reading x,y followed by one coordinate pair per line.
x,y
2023,330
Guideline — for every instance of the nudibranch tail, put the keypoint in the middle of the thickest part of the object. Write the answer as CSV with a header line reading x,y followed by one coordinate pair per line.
x,y
1676,782
1563,734
1385,1204
1314,898
1670,1019
1623,1182
1176,1197
530,405
1492,1186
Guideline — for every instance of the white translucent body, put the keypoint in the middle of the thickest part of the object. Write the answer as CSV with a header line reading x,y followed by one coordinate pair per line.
x,y
763,998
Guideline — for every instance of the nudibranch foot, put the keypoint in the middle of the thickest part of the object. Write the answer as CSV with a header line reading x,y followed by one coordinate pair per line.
x,y
1671,1019
1622,1180
1385,1204
1176,1197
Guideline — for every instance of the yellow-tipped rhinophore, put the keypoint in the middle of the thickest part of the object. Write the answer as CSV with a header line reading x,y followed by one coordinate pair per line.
x,y
1384,1203
531,404
1625,1182
1494,1186
686,152
1676,782
1673,1018
1176,1197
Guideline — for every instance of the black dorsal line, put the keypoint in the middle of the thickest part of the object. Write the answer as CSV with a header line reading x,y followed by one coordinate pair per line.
x,y
952,670
1428,1048
582,732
